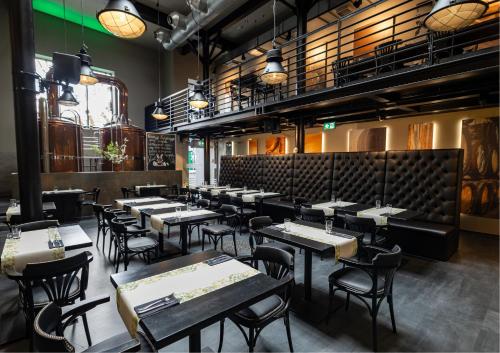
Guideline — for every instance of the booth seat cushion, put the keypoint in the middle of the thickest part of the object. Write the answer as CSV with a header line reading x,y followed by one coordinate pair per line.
x,y
432,240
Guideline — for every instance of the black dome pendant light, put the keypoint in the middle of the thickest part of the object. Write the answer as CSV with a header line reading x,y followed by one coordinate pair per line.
x,y
121,18
159,113
451,15
87,76
274,73
198,99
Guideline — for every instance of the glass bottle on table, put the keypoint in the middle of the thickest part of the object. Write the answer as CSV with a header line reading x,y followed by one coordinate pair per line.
x,y
378,204
329,226
389,208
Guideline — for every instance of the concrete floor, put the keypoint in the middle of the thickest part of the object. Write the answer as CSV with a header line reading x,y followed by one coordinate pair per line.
x,y
439,306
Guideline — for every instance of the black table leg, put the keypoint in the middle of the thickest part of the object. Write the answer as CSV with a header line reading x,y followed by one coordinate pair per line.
x,y
143,220
160,241
307,274
195,342
184,238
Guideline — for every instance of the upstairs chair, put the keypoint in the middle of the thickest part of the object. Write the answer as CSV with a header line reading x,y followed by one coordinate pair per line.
x,y
131,241
442,45
101,223
312,215
367,226
244,213
62,282
298,202
343,70
368,281
386,58
216,232
89,199
50,324
126,192
26,227
239,98
278,264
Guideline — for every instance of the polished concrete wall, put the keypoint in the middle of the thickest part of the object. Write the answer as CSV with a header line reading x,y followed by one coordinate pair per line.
x,y
109,182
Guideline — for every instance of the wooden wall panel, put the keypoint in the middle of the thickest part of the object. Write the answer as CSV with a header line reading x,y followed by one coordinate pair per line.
x,y
367,140
313,142
420,136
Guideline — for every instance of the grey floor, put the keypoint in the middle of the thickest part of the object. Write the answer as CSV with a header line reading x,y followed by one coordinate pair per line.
x,y
440,306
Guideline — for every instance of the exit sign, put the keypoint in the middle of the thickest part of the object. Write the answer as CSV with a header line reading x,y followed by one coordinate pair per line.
x,y
329,126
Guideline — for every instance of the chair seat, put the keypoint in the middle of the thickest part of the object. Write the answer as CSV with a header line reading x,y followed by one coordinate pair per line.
x,y
136,229
261,310
217,229
246,211
40,298
87,203
122,343
355,280
141,244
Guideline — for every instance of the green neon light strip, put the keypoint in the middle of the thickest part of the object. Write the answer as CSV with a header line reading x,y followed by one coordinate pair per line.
x,y
56,9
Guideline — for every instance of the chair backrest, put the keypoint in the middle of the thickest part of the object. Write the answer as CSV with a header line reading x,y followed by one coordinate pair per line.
x,y
118,228
202,203
388,262
207,195
312,215
367,226
47,337
25,227
108,215
56,278
228,210
182,198
96,192
237,201
125,192
183,191
278,263
224,199
255,224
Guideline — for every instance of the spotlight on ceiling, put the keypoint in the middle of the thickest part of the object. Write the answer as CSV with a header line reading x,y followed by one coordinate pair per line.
x,y
198,5
121,18
450,15
177,20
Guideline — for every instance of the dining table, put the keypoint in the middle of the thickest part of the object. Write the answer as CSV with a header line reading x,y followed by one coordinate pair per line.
x,y
66,201
149,190
194,292
14,212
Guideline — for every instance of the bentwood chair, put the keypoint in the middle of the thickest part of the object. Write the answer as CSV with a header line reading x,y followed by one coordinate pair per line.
x,y
298,202
126,192
224,199
367,226
130,241
385,57
312,215
90,198
216,232
101,223
62,282
109,214
51,322
278,264
26,227
371,282
201,204
244,213
195,195
207,195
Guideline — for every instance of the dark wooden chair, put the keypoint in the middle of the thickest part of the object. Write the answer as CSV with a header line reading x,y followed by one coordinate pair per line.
x,y
62,282
371,282
442,46
367,226
108,215
216,232
277,264
194,195
26,227
344,71
386,57
298,202
239,98
312,215
244,213
207,195
51,322
130,241
126,192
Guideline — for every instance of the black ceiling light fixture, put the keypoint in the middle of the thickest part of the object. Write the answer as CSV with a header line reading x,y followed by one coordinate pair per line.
x,y
87,76
450,15
159,113
198,99
274,73
67,98
121,18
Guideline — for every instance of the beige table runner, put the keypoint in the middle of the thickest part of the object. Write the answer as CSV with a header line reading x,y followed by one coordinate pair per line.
x,y
211,187
185,283
157,219
243,192
376,213
12,211
32,247
62,191
251,197
325,206
344,247
120,202
136,210
216,192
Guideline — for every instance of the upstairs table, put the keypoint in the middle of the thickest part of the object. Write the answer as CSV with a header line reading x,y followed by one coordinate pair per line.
x,y
207,294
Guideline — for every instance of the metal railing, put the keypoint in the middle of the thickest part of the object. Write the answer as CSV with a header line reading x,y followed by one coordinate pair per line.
x,y
379,39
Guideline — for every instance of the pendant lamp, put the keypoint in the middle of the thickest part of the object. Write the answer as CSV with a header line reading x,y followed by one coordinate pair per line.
x,y
121,18
198,99
87,76
451,15
159,113
274,73
67,98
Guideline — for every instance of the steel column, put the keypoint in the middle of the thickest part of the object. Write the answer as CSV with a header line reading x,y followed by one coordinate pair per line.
x,y
206,159
299,135
301,9
27,143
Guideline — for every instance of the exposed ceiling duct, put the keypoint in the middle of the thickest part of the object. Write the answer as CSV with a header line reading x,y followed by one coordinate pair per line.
x,y
215,9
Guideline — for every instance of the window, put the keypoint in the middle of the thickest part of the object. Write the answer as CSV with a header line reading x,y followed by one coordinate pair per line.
x,y
103,97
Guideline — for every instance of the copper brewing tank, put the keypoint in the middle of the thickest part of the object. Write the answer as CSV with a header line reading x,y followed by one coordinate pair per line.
x,y
65,146
135,146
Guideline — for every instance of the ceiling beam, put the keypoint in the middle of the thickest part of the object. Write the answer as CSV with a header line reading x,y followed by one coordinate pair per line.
x,y
151,15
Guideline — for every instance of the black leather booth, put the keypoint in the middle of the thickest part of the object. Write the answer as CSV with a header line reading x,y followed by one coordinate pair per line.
x,y
426,181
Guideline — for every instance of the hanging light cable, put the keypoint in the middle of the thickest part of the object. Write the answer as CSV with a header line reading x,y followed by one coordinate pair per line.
x,y
87,76
450,15
198,99
274,73
66,98
159,113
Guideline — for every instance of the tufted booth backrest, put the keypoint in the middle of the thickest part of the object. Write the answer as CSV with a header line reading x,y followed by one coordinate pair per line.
x,y
230,171
428,181
312,176
251,170
359,176
278,173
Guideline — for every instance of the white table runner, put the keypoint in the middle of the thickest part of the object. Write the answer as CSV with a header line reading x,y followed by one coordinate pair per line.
x,y
216,192
211,187
120,202
376,214
12,211
157,219
243,192
136,210
251,197
344,247
62,191
32,247
139,187
325,206
185,283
